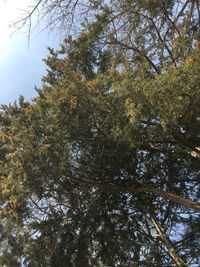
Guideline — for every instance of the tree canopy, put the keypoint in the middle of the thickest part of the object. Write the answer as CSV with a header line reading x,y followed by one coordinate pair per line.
x,y
102,167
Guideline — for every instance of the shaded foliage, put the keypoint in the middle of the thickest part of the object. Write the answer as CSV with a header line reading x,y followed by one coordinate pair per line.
x,y
102,167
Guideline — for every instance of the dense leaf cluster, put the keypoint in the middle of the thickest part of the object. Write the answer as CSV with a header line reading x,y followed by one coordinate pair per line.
x,y
102,167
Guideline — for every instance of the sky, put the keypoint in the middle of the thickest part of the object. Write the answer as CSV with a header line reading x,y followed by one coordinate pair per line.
x,y
21,65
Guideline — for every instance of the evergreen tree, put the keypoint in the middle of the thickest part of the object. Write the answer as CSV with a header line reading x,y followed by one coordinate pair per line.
x,y
102,167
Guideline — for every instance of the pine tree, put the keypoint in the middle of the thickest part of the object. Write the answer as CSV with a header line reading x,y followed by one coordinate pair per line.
x,y
102,167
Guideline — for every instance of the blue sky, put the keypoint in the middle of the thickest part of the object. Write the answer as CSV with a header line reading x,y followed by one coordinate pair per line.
x,y
21,65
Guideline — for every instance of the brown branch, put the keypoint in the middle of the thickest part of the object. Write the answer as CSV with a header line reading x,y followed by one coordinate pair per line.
x,y
165,239
176,19
163,41
142,189
138,51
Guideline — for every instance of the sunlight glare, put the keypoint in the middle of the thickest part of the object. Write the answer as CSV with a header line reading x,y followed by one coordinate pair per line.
x,y
9,11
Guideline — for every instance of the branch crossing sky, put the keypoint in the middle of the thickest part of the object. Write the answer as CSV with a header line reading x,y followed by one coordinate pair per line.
x,y
21,65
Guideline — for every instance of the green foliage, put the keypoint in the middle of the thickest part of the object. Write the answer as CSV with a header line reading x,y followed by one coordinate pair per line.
x,y
106,124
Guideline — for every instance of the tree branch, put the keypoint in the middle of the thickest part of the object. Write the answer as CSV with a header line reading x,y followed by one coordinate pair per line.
x,y
165,239
142,189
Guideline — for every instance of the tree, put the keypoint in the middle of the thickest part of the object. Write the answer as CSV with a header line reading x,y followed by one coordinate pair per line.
x,y
102,167
144,31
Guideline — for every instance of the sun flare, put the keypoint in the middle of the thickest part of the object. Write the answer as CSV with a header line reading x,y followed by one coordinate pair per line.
x,y
9,11
4,29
